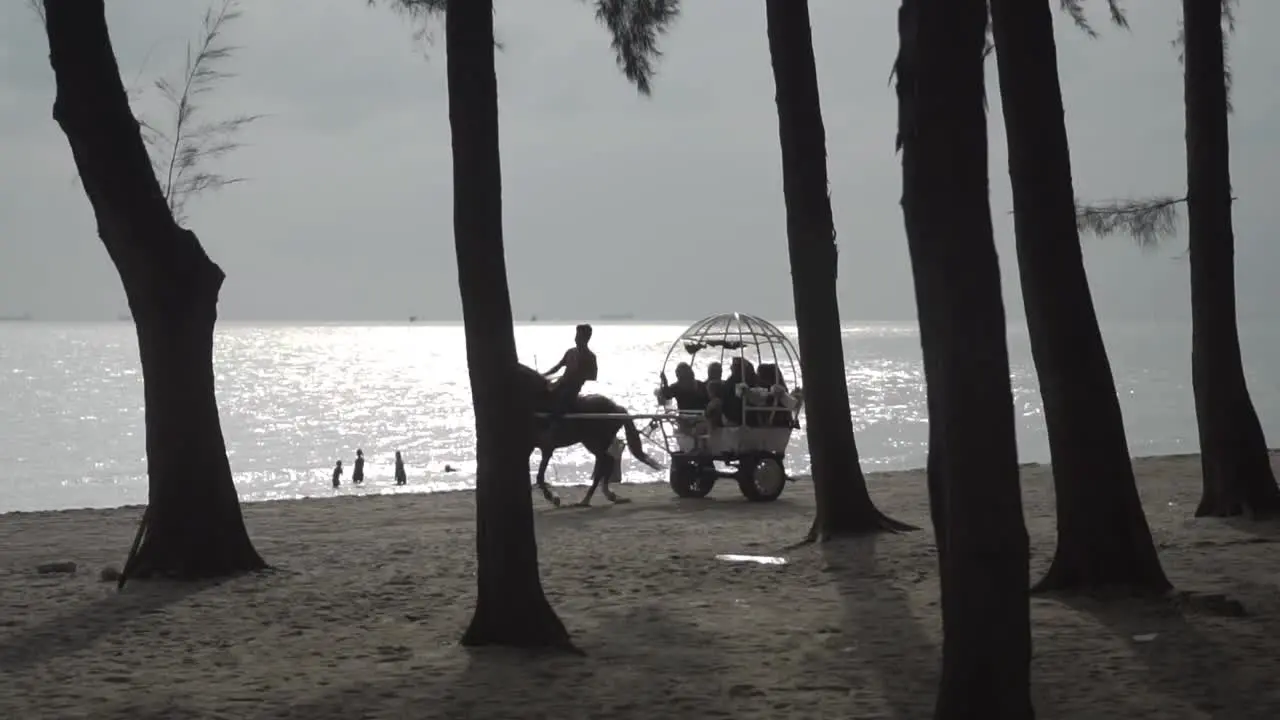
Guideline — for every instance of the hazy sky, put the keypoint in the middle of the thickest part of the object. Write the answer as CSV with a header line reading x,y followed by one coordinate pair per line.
x,y
348,212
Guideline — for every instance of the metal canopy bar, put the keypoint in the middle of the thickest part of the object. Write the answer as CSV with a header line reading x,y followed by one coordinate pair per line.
x,y
610,416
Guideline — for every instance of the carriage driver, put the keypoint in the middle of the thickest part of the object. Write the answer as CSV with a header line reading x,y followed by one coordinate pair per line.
x,y
579,365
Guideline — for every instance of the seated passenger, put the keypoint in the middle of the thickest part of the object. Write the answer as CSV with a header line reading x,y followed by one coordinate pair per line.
x,y
771,390
771,383
688,392
760,395
741,376
715,406
715,372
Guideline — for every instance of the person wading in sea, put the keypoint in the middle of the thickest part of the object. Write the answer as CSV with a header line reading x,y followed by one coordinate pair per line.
x,y
357,472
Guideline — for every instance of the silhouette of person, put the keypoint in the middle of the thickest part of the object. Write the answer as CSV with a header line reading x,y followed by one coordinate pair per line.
x,y
357,472
579,365
337,474
401,476
688,392
715,372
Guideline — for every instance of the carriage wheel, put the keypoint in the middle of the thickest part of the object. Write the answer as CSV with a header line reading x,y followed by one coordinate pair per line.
x,y
688,482
762,481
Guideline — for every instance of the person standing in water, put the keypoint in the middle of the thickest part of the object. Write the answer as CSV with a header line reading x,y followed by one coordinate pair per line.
x,y
337,474
357,472
579,365
401,476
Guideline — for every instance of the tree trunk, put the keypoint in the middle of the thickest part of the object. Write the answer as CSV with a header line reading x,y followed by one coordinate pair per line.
x,y
511,608
1103,537
192,527
973,463
844,505
1233,451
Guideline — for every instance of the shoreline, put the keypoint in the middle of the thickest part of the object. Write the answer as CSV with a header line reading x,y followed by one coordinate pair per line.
x,y
799,481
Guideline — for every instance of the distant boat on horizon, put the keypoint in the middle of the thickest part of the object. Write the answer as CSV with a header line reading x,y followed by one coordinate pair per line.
x,y
24,317
413,318
618,316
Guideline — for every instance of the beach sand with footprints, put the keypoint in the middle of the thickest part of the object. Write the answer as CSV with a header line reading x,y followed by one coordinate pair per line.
x,y
361,619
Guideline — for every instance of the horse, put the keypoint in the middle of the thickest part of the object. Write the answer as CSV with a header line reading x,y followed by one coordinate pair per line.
x,y
595,434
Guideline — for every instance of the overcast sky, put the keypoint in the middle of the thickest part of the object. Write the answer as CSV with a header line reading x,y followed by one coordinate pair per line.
x,y
669,207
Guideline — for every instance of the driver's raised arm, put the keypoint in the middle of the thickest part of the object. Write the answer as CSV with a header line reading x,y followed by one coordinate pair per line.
x,y
564,363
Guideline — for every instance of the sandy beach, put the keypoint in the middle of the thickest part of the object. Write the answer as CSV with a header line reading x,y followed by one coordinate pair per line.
x,y
362,616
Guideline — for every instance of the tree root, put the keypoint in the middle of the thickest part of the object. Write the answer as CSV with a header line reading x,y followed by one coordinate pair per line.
x,y
867,524
537,629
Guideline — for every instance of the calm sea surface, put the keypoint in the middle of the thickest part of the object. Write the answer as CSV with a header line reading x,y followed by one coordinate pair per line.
x,y
294,399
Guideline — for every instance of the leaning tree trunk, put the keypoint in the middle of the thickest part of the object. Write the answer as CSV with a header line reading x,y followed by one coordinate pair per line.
x,y
511,608
844,505
192,527
1233,451
1103,537
973,463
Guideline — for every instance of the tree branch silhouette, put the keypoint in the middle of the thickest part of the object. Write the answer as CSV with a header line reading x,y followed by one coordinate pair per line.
x,y
1147,221
181,150
179,155
635,27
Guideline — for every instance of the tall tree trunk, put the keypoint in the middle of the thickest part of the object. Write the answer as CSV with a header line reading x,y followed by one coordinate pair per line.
x,y
973,463
1103,537
192,527
1233,451
511,608
844,505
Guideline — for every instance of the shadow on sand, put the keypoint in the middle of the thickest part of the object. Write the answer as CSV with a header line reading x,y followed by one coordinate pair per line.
x,y
879,632
618,679
1256,531
1190,649
91,622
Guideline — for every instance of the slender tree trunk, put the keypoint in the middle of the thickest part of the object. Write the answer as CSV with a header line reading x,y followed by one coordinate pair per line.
x,y
1233,450
1103,537
193,527
844,505
511,608
973,463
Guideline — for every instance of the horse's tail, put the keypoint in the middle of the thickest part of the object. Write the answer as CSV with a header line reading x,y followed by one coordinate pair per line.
x,y
636,446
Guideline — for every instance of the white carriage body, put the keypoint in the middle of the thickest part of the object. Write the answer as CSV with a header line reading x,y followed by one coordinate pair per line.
x,y
732,440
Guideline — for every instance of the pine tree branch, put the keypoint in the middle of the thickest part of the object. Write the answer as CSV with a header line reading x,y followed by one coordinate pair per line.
x,y
1075,10
1147,221
635,26
180,154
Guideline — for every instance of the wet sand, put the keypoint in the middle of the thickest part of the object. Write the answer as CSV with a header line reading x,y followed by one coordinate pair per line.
x,y
371,594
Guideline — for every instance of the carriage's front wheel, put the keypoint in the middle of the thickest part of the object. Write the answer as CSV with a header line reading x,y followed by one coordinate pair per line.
x,y
762,481
688,482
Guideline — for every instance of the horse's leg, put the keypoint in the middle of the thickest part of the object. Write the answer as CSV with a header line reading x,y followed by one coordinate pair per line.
x,y
542,477
610,464
598,472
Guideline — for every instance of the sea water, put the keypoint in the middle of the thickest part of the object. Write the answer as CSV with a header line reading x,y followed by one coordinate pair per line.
x,y
294,399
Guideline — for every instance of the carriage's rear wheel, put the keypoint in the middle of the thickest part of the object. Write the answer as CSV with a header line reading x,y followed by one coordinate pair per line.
x,y
762,481
688,482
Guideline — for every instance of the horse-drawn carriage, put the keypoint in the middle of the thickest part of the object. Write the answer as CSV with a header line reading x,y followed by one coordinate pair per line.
x,y
740,430
753,409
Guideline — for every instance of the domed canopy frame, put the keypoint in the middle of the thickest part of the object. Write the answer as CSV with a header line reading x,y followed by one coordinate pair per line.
x,y
729,335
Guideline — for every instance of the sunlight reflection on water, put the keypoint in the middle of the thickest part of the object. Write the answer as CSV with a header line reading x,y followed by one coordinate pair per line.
x,y
295,399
